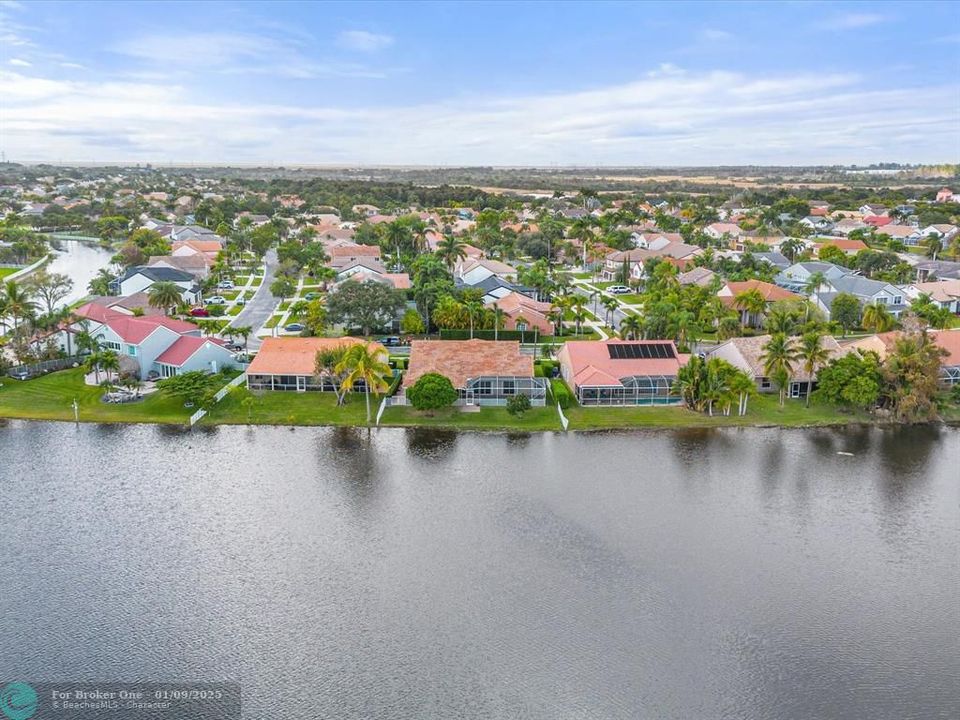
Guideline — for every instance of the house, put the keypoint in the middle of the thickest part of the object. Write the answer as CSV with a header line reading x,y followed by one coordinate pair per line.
x,y
817,224
721,230
944,293
523,313
655,240
680,254
621,372
185,248
472,271
877,220
197,265
398,281
152,345
883,344
946,195
701,276
746,353
796,278
848,225
493,288
874,210
484,372
365,210
906,234
775,259
142,277
360,266
868,292
849,247
289,363
343,255
942,231
770,293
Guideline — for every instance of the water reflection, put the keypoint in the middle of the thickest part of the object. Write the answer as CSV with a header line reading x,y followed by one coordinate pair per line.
x,y
430,444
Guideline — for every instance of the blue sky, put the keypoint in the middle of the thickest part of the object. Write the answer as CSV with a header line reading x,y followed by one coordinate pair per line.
x,y
480,83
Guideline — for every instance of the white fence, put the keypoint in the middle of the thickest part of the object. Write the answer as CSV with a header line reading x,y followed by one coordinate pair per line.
x,y
220,395
20,274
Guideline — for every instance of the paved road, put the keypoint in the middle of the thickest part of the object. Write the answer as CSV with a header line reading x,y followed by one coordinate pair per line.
x,y
261,306
618,314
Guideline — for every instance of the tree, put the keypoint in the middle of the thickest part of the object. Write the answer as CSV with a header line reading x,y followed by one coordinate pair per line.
x,y
814,356
498,315
631,327
853,380
450,250
431,391
833,254
518,404
474,308
778,358
752,303
814,283
314,317
845,310
877,318
100,285
241,331
911,375
109,362
18,303
195,387
282,287
328,365
411,323
367,305
165,296
365,362
51,288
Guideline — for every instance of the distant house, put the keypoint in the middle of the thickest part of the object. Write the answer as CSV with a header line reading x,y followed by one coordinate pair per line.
x,y
152,345
848,247
678,253
197,265
721,230
700,276
777,260
621,372
946,195
484,372
141,278
796,278
937,270
493,288
343,255
210,248
817,224
868,292
361,273
875,210
472,271
942,231
360,266
883,343
770,293
877,220
289,363
524,314
944,293
848,225
907,234
746,353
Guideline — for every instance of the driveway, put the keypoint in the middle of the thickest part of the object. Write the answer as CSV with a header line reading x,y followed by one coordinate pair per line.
x,y
261,306
618,314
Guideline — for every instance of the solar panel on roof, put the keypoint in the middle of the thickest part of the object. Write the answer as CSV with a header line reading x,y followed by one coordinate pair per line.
x,y
640,351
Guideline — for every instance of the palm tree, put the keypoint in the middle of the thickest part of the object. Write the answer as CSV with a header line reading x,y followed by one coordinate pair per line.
x,y
790,247
780,320
92,364
451,250
242,331
498,315
752,303
555,316
814,282
165,296
364,362
778,358
631,327
579,314
110,362
877,318
610,305
100,285
18,303
744,386
814,356
474,308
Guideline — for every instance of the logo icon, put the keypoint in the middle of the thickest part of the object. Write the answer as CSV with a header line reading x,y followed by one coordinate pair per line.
x,y
18,701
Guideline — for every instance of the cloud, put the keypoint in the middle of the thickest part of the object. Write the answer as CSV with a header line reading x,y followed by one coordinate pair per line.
x,y
363,41
20,62
715,34
666,118
852,21
72,66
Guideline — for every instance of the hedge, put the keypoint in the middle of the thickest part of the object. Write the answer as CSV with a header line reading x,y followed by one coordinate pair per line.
x,y
561,393
449,334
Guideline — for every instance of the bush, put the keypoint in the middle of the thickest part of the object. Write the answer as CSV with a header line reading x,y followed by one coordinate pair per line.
x,y
450,334
518,404
561,393
216,310
538,371
431,391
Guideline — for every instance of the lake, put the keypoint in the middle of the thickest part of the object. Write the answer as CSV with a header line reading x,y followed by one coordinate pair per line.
x,y
751,573
80,261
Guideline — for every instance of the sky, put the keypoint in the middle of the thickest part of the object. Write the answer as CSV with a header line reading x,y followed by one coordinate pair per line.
x,y
509,83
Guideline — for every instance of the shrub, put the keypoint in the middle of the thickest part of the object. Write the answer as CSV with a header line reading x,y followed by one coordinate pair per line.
x,y
431,391
216,310
561,393
538,371
518,404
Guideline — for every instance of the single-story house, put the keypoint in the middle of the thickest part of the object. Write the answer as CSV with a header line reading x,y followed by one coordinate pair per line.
x,y
484,372
745,353
343,255
523,313
883,343
796,277
197,265
849,247
493,288
185,248
719,230
289,363
701,276
621,372
907,234
770,293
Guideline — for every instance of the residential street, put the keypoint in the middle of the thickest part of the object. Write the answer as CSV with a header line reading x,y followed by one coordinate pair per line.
x,y
582,287
261,307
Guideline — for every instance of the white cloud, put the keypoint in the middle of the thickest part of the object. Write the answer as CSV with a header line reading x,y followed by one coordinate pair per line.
x,y
363,41
670,118
20,62
715,34
852,21
72,66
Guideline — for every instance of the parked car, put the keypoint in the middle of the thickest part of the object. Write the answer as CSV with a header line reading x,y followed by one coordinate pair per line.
x,y
235,346
618,290
200,312
240,301
390,341
217,300
225,285
294,327
311,295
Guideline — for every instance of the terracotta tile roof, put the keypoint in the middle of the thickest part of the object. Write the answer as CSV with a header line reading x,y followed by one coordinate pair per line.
x,y
201,246
949,340
184,348
877,220
348,251
844,244
771,293
751,350
461,360
296,355
588,362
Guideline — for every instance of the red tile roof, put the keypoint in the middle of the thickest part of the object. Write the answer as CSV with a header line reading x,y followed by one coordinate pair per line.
x,y
771,293
589,363
877,220
462,360
133,329
184,348
295,355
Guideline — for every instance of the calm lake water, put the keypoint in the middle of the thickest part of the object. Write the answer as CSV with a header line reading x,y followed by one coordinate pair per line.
x,y
420,574
80,262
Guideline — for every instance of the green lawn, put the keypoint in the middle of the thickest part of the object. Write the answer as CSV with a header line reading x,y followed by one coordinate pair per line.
x,y
229,294
629,298
488,418
241,280
235,310
50,398
4,271
291,408
272,321
285,305
257,281
762,410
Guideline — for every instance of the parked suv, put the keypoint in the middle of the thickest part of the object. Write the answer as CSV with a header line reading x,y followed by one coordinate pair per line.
x,y
618,290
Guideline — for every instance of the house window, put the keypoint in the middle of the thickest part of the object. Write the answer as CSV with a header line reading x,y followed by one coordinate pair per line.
x,y
521,327
484,387
764,383
881,301
898,300
132,350
509,387
167,371
112,345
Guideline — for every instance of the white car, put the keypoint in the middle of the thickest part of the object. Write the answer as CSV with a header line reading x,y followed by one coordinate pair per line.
x,y
225,285
217,300
618,290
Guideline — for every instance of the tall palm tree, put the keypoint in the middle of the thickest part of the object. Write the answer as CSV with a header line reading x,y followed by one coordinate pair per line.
x,y
814,282
498,315
610,305
164,296
110,362
752,303
18,302
631,327
744,386
778,358
814,356
474,308
451,250
364,362
92,364
877,318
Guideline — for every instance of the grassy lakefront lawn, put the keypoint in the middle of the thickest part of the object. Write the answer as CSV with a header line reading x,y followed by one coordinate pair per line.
x,y
51,398
290,408
4,271
487,418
